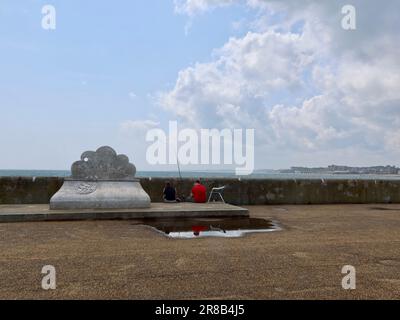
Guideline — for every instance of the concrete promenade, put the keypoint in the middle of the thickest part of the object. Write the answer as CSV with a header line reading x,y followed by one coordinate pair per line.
x,y
117,259
41,212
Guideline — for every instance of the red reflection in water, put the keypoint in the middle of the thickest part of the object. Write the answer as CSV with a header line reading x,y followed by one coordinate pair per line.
x,y
197,229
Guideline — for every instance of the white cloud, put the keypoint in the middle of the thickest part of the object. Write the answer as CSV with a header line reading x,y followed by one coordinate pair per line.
x,y
132,95
247,72
192,7
316,89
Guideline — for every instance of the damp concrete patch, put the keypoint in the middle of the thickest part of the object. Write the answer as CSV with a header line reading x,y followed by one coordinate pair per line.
x,y
384,209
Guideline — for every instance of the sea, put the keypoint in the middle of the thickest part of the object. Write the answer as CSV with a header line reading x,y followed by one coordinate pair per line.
x,y
210,174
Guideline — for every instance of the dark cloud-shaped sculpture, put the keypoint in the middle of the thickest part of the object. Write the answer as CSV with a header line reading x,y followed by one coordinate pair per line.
x,y
103,164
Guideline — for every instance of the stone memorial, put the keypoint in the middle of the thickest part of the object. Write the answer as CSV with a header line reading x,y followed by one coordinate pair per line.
x,y
101,180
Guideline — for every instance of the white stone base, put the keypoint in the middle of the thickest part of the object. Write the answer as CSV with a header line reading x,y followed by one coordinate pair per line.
x,y
80,194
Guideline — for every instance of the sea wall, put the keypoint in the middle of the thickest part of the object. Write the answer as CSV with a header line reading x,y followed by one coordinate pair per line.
x,y
27,190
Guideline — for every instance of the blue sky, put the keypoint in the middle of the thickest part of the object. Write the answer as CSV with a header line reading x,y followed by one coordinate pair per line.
x,y
72,87
115,62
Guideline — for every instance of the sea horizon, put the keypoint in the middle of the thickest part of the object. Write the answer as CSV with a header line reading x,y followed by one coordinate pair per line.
x,y
257,174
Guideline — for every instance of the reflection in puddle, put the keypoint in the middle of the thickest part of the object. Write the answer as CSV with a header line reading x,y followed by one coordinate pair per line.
x,y
199,228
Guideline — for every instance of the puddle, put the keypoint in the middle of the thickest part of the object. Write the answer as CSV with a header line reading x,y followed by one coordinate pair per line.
x,y
201,228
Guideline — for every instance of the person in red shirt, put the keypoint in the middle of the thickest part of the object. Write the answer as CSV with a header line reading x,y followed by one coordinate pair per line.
x,y
199,193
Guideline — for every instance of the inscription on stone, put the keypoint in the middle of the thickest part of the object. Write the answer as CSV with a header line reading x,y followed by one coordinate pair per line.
x,y
86,188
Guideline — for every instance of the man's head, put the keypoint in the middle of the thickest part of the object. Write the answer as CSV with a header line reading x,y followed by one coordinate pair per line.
x,y
197,182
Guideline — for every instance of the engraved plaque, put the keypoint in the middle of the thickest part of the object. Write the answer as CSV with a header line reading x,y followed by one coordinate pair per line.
x,y
86,188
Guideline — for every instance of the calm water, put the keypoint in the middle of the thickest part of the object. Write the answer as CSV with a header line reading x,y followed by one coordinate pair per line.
x,y
199,228
209,174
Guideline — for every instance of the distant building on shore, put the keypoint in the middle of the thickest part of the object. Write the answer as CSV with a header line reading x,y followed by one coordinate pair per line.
x,y
335,169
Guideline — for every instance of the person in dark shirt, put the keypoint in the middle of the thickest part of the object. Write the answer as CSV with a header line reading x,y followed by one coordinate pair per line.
x,y
169,193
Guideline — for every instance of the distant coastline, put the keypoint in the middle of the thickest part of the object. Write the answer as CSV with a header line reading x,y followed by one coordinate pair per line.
x,y
258,174
335,169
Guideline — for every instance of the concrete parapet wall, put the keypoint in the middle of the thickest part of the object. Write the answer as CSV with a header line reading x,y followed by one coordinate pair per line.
x,y
25,190
28,190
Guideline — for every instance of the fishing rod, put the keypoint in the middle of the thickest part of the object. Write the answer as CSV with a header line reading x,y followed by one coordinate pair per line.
x,y
182,197
179,168
177,163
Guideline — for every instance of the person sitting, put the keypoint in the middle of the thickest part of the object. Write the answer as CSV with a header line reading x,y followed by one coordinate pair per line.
x,y
169,193
199,193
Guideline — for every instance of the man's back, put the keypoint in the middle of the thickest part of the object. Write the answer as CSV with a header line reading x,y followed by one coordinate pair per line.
x,y
169,193
199,193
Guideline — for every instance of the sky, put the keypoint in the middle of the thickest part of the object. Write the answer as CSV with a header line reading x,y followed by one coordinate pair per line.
x,y
314,93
